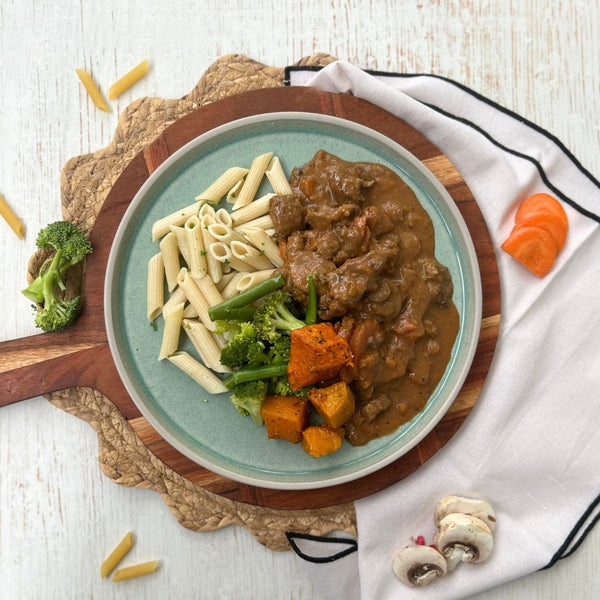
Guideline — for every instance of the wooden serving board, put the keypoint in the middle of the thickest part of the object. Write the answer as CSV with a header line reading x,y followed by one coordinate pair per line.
x,y
79,357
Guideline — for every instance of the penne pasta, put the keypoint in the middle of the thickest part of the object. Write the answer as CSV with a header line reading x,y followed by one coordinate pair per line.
x,y
195,297
92,90
223,233
11,218
261,240
169,250
198,372
214,267
222,252
129,79
234,192
265,222
206,345
115,557
195,243
175,298
170,339
253,180
225,182
258,208
231,288
135,570
250,255
180,236
209,290
247,280
277,178
189,312
223,216
155,293
179,217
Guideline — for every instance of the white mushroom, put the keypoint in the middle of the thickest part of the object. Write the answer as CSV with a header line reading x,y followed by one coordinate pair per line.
x,y
468,506
419,565
463,538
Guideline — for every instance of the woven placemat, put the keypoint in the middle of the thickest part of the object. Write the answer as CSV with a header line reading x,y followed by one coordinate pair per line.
x,y
85,182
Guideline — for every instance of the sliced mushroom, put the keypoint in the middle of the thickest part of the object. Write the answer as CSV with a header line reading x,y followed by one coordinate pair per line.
x,y
419,565
468,506
463,538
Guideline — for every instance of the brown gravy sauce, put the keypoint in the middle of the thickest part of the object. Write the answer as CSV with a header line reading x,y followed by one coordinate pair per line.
x,y
360,230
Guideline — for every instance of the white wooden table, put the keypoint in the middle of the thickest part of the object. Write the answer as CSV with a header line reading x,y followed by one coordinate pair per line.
x,y
59,514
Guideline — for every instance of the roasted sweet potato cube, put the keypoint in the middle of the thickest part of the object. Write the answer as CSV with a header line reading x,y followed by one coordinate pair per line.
x,y
334,403
317,353
285,417
318,440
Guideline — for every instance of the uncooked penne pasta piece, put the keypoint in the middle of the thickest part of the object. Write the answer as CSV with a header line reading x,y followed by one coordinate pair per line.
x,y
92,90
11,218
180,236
265,222
214,267
247,280
135,570
115,557
196,248
198,372
179,217
195,297
155,294
261,240
170,339
222,233
219,188
253,179
276,176
250,255
222,252
169,250
129,79
206,345
258,208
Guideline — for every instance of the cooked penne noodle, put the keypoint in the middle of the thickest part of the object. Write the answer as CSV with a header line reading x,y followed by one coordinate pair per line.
x,y
180,236
135,571
222,185
175,298
209,290
206,345
225,279
234,192
129,79
193,236
169,250
231,288
247,280
250,255
214,267
258,208
261,240
222,252
189,312
223,233
179,217
170,339
253,179
195,297
207,210
11,218
223,216
265,222
155,292
277,178
92,90
115,557
198,372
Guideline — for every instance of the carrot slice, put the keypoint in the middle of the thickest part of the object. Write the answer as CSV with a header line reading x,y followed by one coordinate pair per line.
x,y
541,203
550,221
533,247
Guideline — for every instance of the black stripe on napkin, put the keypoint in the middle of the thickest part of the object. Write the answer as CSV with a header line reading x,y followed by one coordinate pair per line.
x,y
352,546
551,137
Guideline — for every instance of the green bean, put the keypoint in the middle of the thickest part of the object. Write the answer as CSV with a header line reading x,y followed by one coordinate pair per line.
x,y
255,373
311,306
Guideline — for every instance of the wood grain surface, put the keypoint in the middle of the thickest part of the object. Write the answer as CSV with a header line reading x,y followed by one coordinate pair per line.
x,y
58,518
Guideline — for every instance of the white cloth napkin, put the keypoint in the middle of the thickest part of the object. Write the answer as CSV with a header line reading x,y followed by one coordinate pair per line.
x,y
531,445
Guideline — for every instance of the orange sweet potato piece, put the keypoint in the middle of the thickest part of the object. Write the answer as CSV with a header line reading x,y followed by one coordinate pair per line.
x,y
285,417
533,247
317,353
334,404
318,440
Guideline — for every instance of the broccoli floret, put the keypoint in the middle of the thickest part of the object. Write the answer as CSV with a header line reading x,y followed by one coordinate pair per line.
x,y
273,318
70,247
244,348
279,351
280,386
248,398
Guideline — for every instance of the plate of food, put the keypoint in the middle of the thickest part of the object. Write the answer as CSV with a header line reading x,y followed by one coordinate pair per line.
x,y
363,265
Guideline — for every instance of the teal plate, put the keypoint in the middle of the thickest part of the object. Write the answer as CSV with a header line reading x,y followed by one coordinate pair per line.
x,y
206,428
